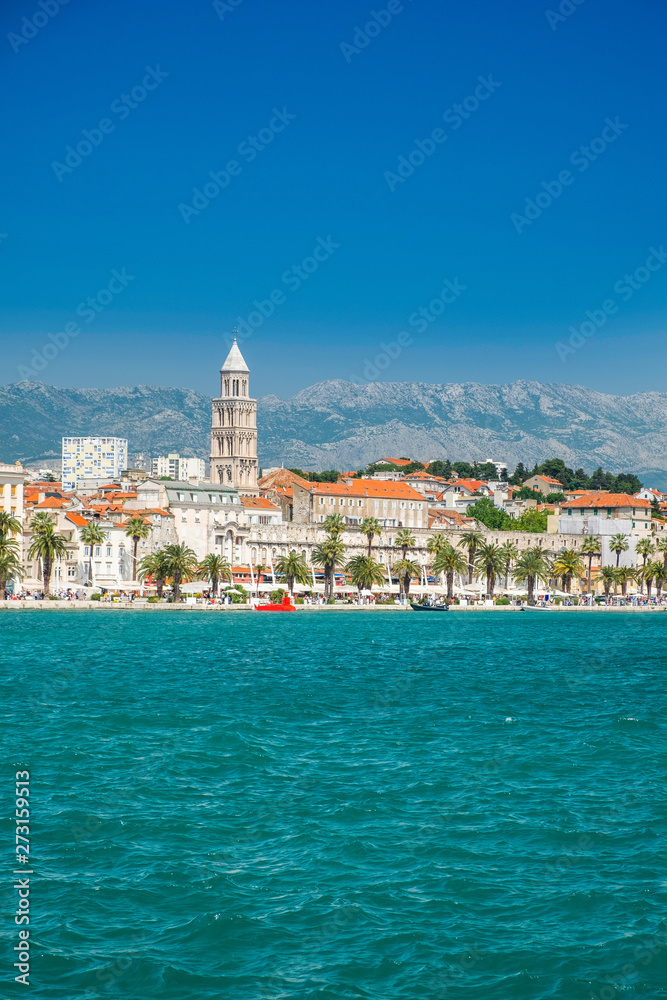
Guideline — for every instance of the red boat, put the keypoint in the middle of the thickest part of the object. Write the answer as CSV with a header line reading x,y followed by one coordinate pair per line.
x,y
285,606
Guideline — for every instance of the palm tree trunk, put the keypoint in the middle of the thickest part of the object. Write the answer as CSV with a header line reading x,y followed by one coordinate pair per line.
x,y
135,542
214,582
450,586
160,587
531,588
177,586
370,543
47,565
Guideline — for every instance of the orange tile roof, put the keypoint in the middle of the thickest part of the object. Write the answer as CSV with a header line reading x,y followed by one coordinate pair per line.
x,y
260,502
281,477
54,503
470,484
77,519
396,461
606,500
373,488
547,479
424,475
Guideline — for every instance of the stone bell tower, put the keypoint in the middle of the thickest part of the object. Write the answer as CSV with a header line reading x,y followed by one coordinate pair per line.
x,y
234,428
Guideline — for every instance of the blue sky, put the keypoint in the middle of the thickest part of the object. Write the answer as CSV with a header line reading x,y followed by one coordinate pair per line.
x,y
335,124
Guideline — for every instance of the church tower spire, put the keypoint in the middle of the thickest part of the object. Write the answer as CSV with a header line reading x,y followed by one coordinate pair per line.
x,y
234,427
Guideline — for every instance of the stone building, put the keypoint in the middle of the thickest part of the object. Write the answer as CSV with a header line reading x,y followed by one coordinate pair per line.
x,y
233,460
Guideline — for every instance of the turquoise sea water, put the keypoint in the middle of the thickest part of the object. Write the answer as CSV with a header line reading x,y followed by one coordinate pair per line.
x,y
338,805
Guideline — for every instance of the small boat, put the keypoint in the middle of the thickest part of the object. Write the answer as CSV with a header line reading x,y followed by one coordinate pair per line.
x,y
286,605
428,607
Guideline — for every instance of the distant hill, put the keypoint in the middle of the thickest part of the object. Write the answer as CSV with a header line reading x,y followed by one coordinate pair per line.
x,y
336,424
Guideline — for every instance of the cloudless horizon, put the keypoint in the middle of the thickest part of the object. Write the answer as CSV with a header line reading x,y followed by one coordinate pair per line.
x,y
316,119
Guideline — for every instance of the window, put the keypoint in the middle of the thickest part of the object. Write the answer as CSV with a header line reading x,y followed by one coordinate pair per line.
x,y
86,550
98,550
108,551
321,501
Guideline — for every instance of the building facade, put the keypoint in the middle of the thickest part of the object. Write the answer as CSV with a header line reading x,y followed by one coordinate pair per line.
x,y
11,490
92,459
177,467
395,505
234,428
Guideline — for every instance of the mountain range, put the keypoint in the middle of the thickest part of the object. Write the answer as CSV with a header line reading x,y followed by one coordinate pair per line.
x,y
337,424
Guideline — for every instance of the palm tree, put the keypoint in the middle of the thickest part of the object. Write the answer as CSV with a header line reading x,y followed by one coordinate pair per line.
x,y
294,568
10,564
531,566
405,570
404,540
568,564
334,525
661,546
370,527
653,570
471,541
645,548
450,561
182,566
618,544
509,552
9,524
135,529
590,547
156,566
364,572
329,554
608,576
489,560
215,569
91,536
434,546
660,576
622,575
46,545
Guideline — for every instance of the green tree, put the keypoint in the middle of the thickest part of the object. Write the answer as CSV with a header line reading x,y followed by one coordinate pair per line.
x,y
370,527
531,566
661,546
608,577
334,525
590,547
10,564
532,520
46,545
93,534
329,554
364,572
494,518
9,524
156,565
622,575
406,569
509,553
471,541
294,569
404,540
441,469
135,529
489,560
568,564
183,566
618,543
644,549
214,568
450,561
463,469
435,545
